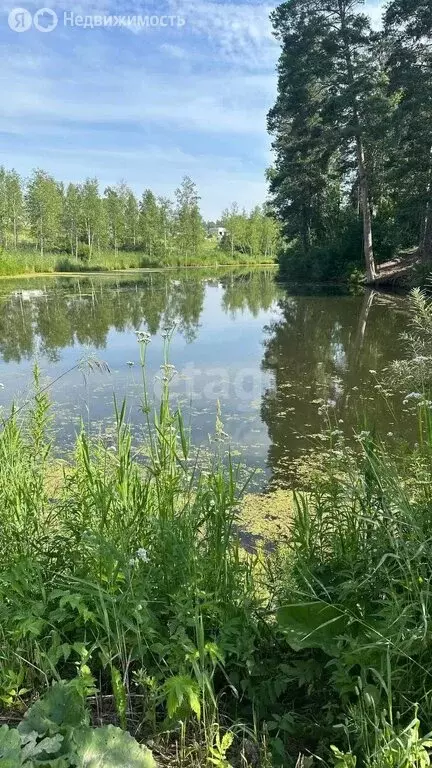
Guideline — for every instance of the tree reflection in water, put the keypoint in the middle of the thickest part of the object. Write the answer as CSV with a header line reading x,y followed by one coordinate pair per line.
x,y
306,349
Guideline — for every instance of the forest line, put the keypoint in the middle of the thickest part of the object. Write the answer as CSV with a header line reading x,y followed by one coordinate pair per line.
x,y
352,135
75,221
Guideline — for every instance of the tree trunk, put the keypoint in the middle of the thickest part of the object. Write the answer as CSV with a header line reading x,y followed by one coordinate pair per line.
x,y
306,231
426,243
367,219
90,241
363,179
426,231
15,227
41,239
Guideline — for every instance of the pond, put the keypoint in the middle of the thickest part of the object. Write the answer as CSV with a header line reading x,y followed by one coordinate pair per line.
x,y
270,361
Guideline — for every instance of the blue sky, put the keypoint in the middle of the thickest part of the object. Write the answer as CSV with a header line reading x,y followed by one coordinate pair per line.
x,y
145,106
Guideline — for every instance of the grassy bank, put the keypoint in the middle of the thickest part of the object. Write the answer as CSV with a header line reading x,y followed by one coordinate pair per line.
x,y
123,581
31,262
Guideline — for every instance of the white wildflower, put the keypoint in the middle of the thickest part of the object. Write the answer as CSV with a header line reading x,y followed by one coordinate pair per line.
x,y
142,555
143,337
363,435
169,371
412,396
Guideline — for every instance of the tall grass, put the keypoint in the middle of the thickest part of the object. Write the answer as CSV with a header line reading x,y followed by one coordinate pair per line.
x,y
26,262
29,261
355,586
124,562
123,559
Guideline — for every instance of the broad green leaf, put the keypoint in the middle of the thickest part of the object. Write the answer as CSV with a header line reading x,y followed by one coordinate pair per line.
x,y
44,749
10,747
194,702
313,625
62,705
176,689
180,688
110,747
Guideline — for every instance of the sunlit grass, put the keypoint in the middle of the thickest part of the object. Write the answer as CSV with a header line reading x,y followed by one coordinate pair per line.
x,y
30,261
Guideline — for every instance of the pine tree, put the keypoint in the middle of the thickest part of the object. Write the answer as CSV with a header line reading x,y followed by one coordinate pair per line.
x,y
408,29
326,75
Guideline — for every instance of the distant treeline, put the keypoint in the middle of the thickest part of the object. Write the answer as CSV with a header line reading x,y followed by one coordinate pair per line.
x,y
352,134
77,220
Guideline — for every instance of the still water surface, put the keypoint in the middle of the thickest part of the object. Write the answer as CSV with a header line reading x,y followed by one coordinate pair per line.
x,y
269,354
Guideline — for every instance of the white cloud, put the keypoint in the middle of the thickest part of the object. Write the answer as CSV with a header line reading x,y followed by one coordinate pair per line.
x,y
131,95
117,106
174,51
240,33
81,103
220,182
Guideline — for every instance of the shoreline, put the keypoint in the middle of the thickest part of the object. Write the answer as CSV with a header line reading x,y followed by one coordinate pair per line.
x,y
136,270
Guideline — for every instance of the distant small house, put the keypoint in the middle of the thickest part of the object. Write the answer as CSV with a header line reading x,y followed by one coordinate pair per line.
x,y
218,232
